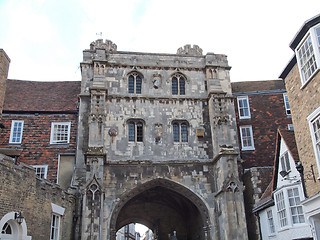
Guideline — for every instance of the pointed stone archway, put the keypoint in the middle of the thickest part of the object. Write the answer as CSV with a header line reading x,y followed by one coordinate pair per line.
x,y
163,206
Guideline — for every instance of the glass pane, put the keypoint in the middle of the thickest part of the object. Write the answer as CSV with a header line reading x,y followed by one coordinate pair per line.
x,y
182,86
176,133
184,132
131,132
131,84
174,86
139,132
138,84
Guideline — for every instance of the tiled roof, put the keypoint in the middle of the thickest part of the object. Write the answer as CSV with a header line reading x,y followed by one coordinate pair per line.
x,y
41,96
288,137
256,86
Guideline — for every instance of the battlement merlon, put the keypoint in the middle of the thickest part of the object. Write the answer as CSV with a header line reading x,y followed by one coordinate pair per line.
x,y
187,57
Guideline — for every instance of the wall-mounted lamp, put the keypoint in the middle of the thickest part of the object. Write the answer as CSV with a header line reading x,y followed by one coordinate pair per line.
x,y
18,217
308,175
284,173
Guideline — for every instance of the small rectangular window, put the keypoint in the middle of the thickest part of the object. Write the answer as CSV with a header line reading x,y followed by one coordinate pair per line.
x,y
16,132
286,104
60,132
290,126
243,107
55,227
41,170
285,164
281,209
270,222
246,138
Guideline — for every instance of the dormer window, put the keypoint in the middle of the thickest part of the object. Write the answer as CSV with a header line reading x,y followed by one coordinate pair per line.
x,y
308,54
134,83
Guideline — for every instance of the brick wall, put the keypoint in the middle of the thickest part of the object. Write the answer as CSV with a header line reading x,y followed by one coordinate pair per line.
x,y
267,115
20,190
4,68
303,102
35,147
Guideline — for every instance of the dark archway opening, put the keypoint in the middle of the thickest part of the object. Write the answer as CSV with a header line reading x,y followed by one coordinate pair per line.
x,y
164,211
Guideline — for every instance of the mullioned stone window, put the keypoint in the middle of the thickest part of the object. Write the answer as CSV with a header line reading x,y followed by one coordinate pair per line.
x,y
180,131
178,84
134,83
135,130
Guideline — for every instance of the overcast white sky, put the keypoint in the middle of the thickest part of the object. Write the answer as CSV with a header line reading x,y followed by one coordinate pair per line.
x,y
45,38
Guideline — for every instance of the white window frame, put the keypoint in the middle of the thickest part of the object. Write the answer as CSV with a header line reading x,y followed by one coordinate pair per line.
x,y
45,167
52,136
242,138
286,104
315,116
281,209
12,131
55,227
310,36
290,127
272,228
285,162
243,98
294,203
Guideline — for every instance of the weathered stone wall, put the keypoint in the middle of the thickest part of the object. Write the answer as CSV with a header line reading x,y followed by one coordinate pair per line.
x,y
303,101
199,176
20,190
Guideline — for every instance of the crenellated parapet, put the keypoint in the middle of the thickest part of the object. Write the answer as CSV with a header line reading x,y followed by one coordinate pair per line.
x,y
108,45
188,50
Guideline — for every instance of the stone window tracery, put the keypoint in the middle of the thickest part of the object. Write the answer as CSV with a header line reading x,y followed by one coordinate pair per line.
x,y
180,131
135,131
134,83
178,84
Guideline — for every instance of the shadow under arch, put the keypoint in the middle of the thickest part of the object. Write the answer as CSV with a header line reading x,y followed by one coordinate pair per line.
x,y
163,206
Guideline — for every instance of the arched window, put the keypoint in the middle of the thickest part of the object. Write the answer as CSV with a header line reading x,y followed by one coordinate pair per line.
x,y
178,84
180,131
134,83
135,131
6,229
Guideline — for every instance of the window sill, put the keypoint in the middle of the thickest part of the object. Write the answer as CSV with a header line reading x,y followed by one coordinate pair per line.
x,y
244,118
248,149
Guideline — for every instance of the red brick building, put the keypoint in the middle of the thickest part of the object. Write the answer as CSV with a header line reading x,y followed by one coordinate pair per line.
x,y
261,108
40,124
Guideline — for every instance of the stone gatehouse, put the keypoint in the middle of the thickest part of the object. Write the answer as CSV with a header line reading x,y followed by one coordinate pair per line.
x,y
157,145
